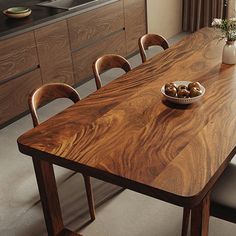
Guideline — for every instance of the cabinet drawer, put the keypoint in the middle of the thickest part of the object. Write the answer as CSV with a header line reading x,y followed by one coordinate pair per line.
x,y
54,53
135,23
84,58
18,54
95,24
14,95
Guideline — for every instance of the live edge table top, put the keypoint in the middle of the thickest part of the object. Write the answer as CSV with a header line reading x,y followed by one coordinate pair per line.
x,y
126,134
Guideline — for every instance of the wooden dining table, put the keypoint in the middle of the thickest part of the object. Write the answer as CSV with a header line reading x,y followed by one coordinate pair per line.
x,y
127,134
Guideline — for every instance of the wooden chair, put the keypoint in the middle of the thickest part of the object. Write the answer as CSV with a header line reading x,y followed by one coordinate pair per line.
x,y
223,199
149,40
107,62
48,93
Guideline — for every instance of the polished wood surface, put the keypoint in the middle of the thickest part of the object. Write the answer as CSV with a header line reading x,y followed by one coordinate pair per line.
x,y
48,93
149,40
108,62
132,108
135,23
54,53
14,94
95,24
17,55
84,36
84,58
126,134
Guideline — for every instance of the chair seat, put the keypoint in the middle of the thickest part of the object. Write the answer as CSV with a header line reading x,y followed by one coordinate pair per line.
x,y
223,197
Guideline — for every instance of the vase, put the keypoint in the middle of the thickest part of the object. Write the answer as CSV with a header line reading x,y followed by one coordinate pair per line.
x,y
229,53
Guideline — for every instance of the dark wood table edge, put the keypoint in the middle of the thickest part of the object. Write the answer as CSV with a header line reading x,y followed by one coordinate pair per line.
x,y
186,201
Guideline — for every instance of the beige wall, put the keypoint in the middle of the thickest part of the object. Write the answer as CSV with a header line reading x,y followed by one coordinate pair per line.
x,y
164,17
232,8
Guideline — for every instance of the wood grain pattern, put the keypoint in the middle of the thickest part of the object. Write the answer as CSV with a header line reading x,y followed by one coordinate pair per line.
x,y
49,196
50,199
149,40
95,24
54,53
200,218
14,94
17,55
108,62
94,28
48,93
126,134
84,58
135,23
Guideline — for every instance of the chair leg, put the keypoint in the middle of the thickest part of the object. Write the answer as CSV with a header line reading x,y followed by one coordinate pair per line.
x,y
185,222
90,199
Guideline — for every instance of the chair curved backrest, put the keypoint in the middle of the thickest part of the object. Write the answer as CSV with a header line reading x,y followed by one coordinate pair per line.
x,y
107,62
149,40
48,93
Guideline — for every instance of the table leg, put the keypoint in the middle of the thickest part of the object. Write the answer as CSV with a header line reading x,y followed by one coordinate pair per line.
x,y
185,221
49,198
200,218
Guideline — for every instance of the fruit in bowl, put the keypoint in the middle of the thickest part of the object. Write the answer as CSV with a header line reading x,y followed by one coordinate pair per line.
x,y
194,85
194,92
171,91
172,84
183,92
181,87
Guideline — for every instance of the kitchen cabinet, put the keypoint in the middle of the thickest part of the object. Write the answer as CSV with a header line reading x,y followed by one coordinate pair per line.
x,y
96,24
17,56
63,51
54,53
19,74
14,94
135,23
84,58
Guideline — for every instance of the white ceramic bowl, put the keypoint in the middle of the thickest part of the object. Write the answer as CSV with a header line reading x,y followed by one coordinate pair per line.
x,y
17,14
17,10
182,100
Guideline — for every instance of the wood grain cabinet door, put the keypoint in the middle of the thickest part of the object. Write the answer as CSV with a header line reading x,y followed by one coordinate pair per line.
x,y
84,58
95,24
17,55
135,23
54,53
14,94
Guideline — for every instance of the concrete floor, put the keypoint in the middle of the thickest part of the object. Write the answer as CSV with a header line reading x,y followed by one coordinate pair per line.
x,y
118,214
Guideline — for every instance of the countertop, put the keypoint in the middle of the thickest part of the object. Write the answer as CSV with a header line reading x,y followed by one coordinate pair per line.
x,y
39,17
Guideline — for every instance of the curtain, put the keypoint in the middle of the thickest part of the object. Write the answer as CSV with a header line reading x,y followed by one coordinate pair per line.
x,y
200,13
